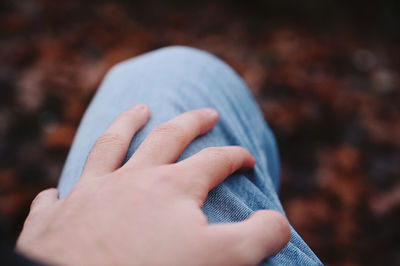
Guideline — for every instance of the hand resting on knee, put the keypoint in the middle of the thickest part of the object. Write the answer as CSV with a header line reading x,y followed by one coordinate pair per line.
x,y
148,211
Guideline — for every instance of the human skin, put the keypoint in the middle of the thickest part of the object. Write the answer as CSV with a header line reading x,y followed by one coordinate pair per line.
x,y
148,212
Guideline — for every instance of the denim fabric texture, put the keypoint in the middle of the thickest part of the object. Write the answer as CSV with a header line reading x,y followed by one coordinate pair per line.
x,y
176,79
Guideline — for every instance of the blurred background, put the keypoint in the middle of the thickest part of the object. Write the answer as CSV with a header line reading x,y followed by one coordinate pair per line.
x,y
325,73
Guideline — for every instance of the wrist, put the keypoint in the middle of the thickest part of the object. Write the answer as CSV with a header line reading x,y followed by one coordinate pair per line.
x,y
63,251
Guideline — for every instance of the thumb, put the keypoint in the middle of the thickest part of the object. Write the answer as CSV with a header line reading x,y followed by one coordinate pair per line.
x,y
44,199
248,242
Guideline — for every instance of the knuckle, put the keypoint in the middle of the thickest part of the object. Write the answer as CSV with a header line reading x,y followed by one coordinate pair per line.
x,y
39,196
222,155
170,130
36,199
109,139
274,219
166,180
202,121
216,151
240,149
281,223
108,142
125,115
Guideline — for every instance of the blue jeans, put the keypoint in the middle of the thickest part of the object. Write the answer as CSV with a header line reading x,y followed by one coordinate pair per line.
x,y
177,79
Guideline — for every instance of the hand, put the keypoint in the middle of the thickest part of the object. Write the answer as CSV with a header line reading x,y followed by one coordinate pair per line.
x,y
148,212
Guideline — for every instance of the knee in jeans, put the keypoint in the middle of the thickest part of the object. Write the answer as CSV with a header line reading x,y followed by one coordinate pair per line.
x,y
179,65
186,53
187,59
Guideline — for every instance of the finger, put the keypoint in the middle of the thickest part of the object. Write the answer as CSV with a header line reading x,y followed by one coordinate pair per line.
x,y
248,242
44,199
167,141
110,148
209,167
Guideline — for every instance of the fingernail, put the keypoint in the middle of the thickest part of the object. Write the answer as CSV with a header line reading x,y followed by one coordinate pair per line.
x,y
139,107
210,111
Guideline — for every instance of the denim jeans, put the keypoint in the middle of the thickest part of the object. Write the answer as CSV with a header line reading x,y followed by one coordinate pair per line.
x,y
176,79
